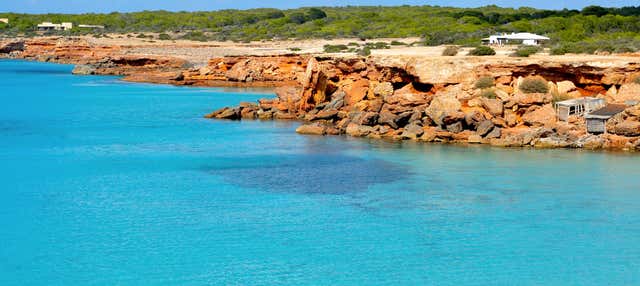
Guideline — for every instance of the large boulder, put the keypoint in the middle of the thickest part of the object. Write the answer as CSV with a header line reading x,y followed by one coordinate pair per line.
x,y
552,142
493,106
485,127
311,129
565,87
412,131
441,107
355,91
357,130
539,116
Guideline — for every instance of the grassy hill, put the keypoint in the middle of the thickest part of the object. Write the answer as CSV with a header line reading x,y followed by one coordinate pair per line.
x,y
590,29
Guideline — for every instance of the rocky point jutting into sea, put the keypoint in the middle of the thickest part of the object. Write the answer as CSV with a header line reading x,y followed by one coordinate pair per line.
x,y
430,99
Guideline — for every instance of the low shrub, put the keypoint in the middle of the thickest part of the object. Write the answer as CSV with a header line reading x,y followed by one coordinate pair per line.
x,y
195,36
534,85
526,51
450,51
482,51
335,48
488,93
294,49
377,46
398,43
366,51
354,44
485,82
636,79
164,37
560,97
624,50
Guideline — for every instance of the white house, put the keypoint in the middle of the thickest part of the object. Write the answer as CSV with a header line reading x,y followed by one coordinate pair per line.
x,y
4,20
528,39
48,26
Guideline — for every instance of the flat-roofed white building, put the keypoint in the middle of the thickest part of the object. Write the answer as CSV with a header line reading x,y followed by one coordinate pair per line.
x,y
48,26
4,20
528,39
91,26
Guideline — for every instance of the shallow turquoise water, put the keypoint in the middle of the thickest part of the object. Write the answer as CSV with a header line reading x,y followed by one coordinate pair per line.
x,y
110,183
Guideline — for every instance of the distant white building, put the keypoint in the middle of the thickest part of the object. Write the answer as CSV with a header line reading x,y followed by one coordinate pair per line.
x,y
48,26
528,39
4,20
91,26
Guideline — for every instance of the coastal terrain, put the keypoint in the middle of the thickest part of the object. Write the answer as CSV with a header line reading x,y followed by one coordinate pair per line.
x,y
401,93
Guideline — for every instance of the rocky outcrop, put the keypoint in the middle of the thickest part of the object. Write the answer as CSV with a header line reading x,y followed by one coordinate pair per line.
x,y
361,98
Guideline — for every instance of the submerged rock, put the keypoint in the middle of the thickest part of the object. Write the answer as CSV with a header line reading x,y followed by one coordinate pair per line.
x,y
84,70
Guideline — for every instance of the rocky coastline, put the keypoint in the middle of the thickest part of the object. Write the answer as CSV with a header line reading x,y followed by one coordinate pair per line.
x,y
428,99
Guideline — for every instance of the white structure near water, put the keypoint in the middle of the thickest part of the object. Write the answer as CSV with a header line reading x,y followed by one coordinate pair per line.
x,y
528,39
48,26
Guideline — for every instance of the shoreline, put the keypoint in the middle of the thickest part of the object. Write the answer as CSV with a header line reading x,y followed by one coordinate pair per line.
x,y
388,96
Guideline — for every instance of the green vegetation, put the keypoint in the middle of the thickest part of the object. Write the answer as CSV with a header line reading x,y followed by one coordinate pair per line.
x,y
560,97
636,80
356,48
526,51
335,48
164,37
485,82
488,93
534,85
482,51
450,51
592,29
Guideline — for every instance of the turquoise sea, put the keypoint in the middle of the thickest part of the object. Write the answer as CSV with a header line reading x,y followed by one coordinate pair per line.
x,y
110,183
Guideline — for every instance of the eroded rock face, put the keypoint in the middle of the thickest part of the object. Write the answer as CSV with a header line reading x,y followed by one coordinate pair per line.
x,y
628,92
11,46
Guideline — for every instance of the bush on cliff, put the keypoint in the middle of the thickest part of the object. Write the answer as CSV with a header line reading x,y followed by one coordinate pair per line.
x,y
488,93
450,51
485,82
534,85
366,51
526,51
560,97
637,79
482,51
335,48
164,37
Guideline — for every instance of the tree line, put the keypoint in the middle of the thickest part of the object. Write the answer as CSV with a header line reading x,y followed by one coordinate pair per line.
x,y
591,28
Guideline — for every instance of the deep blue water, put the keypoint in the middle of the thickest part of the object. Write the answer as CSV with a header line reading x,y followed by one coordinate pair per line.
x,y
111,183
